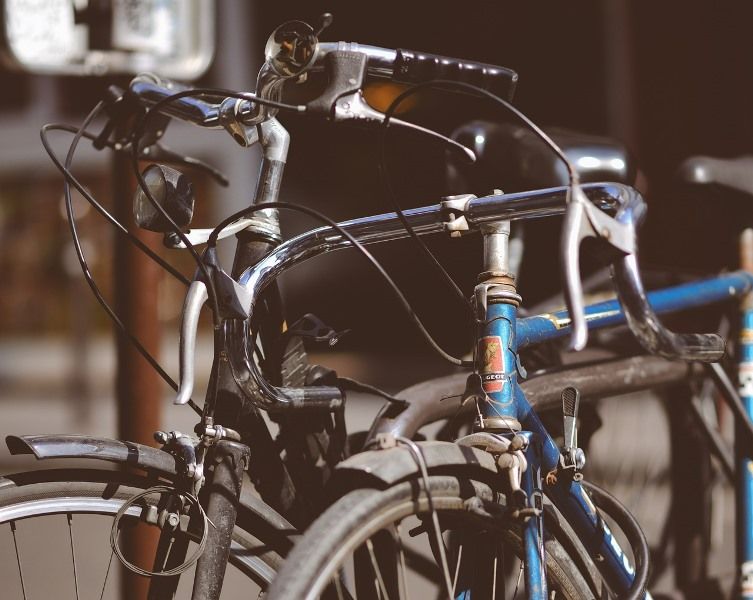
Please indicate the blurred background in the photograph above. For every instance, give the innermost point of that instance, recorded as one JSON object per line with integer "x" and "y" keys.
{"x": 667, "y": 79}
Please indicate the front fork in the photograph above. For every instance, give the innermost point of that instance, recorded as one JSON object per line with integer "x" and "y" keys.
{"x": 223, "y": 490}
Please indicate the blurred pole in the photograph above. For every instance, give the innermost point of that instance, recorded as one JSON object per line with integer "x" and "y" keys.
{"x": 619, "y": 79}
{"x": 138, "y": 387}
{"x": 236, "y": 63}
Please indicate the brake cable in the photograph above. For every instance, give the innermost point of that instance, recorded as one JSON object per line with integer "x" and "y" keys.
{"x": 68, "y": 177}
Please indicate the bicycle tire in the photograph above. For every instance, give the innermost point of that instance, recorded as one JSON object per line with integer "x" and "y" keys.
{"x": 353, "y": 519}
{"x": 91, "y": 497}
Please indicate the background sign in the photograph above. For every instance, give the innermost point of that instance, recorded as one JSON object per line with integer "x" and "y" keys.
{"x": 173, "y": 38}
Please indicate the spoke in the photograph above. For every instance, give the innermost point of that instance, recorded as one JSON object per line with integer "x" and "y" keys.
{"x": 381, "y": 588}
{"x": 517, "y": 585}
{"x": 73, "y": 552}
{"x": 494, "y": 577}
{"x": 107, "y": 575}
{"x": 18, "y": 558}
{"x": 457, "y": 569}
{"x": 402, "y": 562}
{"x": 338, "y": 587}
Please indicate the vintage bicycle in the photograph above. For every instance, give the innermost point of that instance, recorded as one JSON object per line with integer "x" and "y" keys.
{"x": 489, "y": 485}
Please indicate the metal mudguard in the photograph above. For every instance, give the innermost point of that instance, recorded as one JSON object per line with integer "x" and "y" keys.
{"x": 136, "y": 455}
{"x": 383, "y": 468}
{"x": 83, "y": 446}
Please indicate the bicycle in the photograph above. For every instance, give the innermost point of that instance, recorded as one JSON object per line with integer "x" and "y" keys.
{"x": 189, "y": 490}
{"x": 240, "y": 377}
{"x": 356, "y": 548}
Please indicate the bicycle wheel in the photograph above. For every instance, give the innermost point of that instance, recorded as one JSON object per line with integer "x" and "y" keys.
{"x": 378, "y": 544}
{"x": 55, "y": 538}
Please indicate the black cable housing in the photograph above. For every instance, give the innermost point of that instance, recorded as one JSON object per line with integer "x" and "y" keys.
{"x": 633, "y": 532}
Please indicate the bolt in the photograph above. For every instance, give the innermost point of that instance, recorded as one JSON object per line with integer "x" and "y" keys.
{"x": 172, "y": 520}
{"x": 161, "y": 437}
{"x": 606, "y": 233}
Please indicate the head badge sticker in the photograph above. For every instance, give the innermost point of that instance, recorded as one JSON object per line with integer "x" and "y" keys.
{"x": 492, "y": 367}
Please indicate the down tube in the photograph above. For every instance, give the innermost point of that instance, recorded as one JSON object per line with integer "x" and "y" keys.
{"x": 579, "y": 511}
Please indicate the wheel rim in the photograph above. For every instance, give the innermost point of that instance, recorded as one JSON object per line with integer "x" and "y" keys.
{"x": 37, "y": 561}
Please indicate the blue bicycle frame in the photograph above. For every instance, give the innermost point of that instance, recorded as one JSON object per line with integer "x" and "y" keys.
{"x": 502, "y": 336}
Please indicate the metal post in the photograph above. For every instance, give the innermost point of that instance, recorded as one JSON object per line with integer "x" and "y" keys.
{"x": 138, "y": 387}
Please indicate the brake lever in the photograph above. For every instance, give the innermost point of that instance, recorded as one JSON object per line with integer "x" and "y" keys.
{"x": 353, "y": 107}
{"x": 195, "y": 299}
{"x": 160, "y": 153}
{"x": 583, "y": 220}
{"x": 342, "y": 100}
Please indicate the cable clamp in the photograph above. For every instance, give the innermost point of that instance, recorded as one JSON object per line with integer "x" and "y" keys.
{"x": 453, "y": 209}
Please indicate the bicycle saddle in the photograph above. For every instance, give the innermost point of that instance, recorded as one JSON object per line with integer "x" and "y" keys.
{"x": 512, "y": 156}
{"x": 734, "y": 173}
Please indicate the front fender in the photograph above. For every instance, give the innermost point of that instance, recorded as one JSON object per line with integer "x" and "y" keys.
{"x": 82, "y": 446}
{"x": 153, "y": 460}
{"x": 384, "y": 468}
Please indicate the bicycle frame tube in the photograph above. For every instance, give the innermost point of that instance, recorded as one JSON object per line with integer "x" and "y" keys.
{"x": 541, "y": 328}
{"x": 745, "y": 464}
{"x": 506, "y": 410}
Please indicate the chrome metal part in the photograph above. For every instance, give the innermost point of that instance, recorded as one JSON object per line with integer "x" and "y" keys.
{"x": 509, "y": 453}
{"x": 150, "y": 89}
{"x": 200, "y": 236}
{"x": 583, "y": 220}
{"x": 496, "y": 251}
{"x": 454, "y": 207}
{"x": 573, "y": 459}
{"x": 274, "y": 140}
{"x": 503, "y": 424}
{"x": 195, "y": 298}
{"x": 488, "y": 442}
{"x": 291, "y": 49}
{"x": 425, "y": 220}
{"x": 570, "y": 404}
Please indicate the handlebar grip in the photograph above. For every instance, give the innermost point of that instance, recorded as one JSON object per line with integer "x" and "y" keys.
{"x": 645, "y": 325}
{"x": 418, "y": 67}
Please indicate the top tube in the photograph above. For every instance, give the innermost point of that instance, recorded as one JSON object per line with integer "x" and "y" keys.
{"x": 541, "y": 328}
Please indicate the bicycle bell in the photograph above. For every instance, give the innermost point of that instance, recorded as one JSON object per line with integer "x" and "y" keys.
{"x": 291, "y": 49}
{"x": 172, "y": 190}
